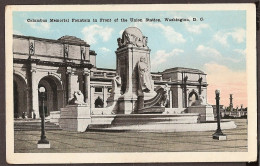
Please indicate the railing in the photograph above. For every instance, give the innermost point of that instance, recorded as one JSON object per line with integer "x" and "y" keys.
{"x": 103, "y": 74}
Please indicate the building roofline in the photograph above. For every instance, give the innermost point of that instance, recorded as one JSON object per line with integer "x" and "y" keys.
{"x": 184, "y": 70}
{"x": 52, "y": 40}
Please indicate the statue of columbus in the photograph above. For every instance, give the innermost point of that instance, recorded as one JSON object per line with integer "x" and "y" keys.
{"x": 145, "y": 78}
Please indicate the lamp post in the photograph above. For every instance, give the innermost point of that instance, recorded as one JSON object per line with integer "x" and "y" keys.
{"x": 43, "y": 142}
{"x": 218, "y": 134}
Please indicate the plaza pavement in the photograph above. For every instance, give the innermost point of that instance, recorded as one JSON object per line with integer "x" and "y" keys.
{"x": 74, "y": 142}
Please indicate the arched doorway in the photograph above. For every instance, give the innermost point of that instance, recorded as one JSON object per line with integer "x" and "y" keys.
{"x": 193, "y": 96}
{"x": 20, "y": 96}
{"x": 99, "y": 103}
{"x": 53, "y": 97}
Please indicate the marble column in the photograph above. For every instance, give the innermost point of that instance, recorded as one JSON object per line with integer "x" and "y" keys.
{"x": 68, "y": 77}
{"x": 28, "y": 103}
{"x": 86, "y": 75}
{"x": 92, "y": 99}
{"x": 34, "y": 92}
{"x": 105, "y": 96}
{"x": 170, "y": 98}
{"x": 60, "y": 99}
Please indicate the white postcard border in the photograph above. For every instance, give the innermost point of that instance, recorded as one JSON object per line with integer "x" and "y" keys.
{"x": 251, "y": 155}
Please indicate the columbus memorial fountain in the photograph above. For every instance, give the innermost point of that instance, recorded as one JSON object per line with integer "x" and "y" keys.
{"x": 135, "y": 104}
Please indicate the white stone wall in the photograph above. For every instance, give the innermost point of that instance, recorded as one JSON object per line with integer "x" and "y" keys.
{"x": 21, "y": 45}
{"x": 93, "y": 60}
{"x": 48, "y": 49}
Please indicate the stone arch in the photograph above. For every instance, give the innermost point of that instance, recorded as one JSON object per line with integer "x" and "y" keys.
{"x": 21, "y": 75}
{"x": 55, "y": 77}
{"x": 193, "y": 95}
{"x": 20, "y": 95}
{"x": 99, "y": 103}
{"x": 54, "y": 97}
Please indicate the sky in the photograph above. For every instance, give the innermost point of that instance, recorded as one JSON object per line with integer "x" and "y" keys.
{"x": 215, "y": 43}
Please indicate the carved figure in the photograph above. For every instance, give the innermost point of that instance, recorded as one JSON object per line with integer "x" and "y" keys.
{"x": 66, "y": 50}
{"x": 78, "y": 98}
{"x": 116, "y": 85}
{"x": 31, "y": 49}
{"x": 134, "y": 36}
{"x": 145, "y": 79}
{"x": 119, "y": 42}
{"x": 145, "y": 41}
{"x": 203, "y": 100}
{"x": 82, "y": 51}
{"x": 200, "y": 101}
{"x": 164, "y": 100}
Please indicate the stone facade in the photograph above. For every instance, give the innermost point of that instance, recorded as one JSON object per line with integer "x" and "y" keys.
{"x": 66, "y": 65}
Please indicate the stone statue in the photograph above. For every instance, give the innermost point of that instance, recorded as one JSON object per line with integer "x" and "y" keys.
{"x": 116, "y": 85}
{"x": 78, "y": 98}
{"x": 164, "y": 99}
{"x": 203, "y": 100}
{"x": 200, "y": 101}
{"x": 145, "y": 41}
{"x": 83, "y": 51}
{"x": 66, "y": 50}
{"x": 132, "y": 36}
{"x": 119, "y": 42}
{"x": 145, "y": 78}
{"x": 31, "y": 49}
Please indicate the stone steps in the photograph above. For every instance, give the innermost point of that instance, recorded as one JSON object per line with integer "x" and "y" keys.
{"x": 33, "y": 125}
{"x": 101, "y": 122}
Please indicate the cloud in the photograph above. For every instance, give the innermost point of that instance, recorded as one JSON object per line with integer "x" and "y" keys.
{"x": 228, "y": 82}
{"x": 237, "y": 34}
{"x": 196, "y": 29}
{"x": 161, "y": 56}
{"x": 240, "y": 51}
{"x": 213, "y": 53}
{"x": 92, "y": 32}
{"x": 170, "y": 34}
{"x": 104, "y": 49}
{"x": 40, "y": 26}
{"x": 208, "y": 51}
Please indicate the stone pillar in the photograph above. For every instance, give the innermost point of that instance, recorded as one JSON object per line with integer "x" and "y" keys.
{"x": 34, "y": 92}
{"x": 86, "y": 75}
{"x": 105, "y": 96}
{"x": 131, "y": 48}
{"x": 185, "y": 98}
{"x": 127, "y": 60}
{"x": 92, "y": 98}
{"x": 60, "y": 99}
{"x": 170, "y": 98}
{"x": 28, "y": 103}
{"x": 68, "y": 83}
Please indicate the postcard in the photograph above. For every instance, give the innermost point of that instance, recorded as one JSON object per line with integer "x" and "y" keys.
{"x": 131, "y": 83}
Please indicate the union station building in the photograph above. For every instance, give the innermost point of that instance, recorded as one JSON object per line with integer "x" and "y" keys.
{"x": 68, "y": 64}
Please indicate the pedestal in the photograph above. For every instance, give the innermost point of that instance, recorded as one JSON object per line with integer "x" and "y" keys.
{"x": 219, "y": 137}
{"x": 75, "y": 118}
{"x": 43, "y": 145}
{"x": 127, "y": 105}
{"x": 205, "y": 111}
